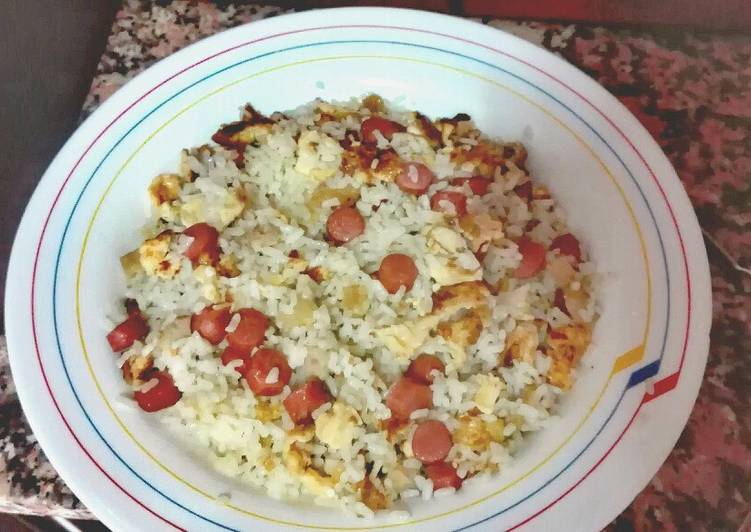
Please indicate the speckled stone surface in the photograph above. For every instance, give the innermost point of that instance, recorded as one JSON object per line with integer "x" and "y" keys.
{"x": 693, "y": 93}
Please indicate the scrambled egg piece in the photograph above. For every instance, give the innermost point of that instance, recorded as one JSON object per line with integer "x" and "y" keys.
{"x": 565, "y": 347}
{"x": 523, "y": 341}
{"x": 298, "y": 462}
{"x": 336, "y": 426}
{"x": 266, "y": 411}
{"x": 445, "y": 267}
{"x": 131, "y": 263}
{"x": 336, "y": 111}
{"x": 164, "y": 188}
{"x": 452, "y": 128}
{"x": 487, "y": 155}
{"x": 301, "y": 315}
{"x": 467, "y": 295}
{"x": 450, "y": 271}
{"x": 192, "y": 212}
{"x": 357, "y": 161}
{"x": 444, "y": 240}
{"x": 252, "y": 128}
{"x": 355, "y": 301}
{"x": 402, "y": 339}
{"x": 480, "y": 229}
{"x": 540, "y": 192}
{"x": 292, "y": 270}
{"x": 476, "y": 433}
{"x": 346, "y": 195}
{"x": 134, "y": 367}
{"x": 371, "y": 496}
{"x": 206, "y": 275}
{"x": 420, "y": 124}
{"x": 373, "y": 103}
{"x": 152, "y": 255}
{"x": 234, "y": 205}
{"x": 227, "y": 266}
{"x": 576, "y": 301}
{"x": 487, "y": 394}
{"x": 318, "y": 155}
{"x": 461, "y": 333}
{"x": 561, "y": 270}
{"x": 251, "y": 133}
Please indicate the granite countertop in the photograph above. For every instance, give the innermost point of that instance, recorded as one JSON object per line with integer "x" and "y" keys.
{"x": 691, "y": 90}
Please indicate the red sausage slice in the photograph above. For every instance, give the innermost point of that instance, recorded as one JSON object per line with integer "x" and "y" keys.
{"x": 210, "y": 323}
{"x": 205, "y": 246}
{"x": 385, "y": 126}
{"x": 431, "y": 442}
{"x": 478, "y": 184}
{"x": 397, "y": 270}
{"x": 533, "y": 258}
{"x": 567, "y": 244}
{"x": 301, "y": 403}
{"x": 415, "y": 178}
{"x": 457, "y": 199}
{"x": 345, "y": 224}
{"x": 443, "y": 475}
{"x": 159, "y": 396}
{"x": 250, "y": 331}
{"x": 421, "y": 368}
{"x": 406, "y": 396}
{"x": 230, "y": 354}
{"x": 259, "y": 367}
{"x": 132, "y": 329}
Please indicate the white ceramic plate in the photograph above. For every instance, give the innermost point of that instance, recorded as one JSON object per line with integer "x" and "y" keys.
{"x": 636, "y": 385}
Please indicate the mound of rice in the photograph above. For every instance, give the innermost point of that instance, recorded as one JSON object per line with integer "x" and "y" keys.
{"x": 268, "y": 184}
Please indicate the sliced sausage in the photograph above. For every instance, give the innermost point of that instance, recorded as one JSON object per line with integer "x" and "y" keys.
{"x": 397, "y": 270}
{"x": 210, "y": 323}
{"x": 230, "y": 354}
{"x": 567, "y": 244}
{"x": 204, "y": 249}
{"x": 250, "y": 331}
{"x": 456, "y": 199}
{"x": 345, "y": 224}
{"x": 421, "y": 368}
{"x": 533, "y": 258}
{"x": 443, "y": 475}
{"x": 431, "y": 442}
{"x": 132, "y": 329}
{"x": 386, "y": 127}
{"x": 301, "y": 403}
{"x": 259, "y": 367}
{"x": 406, "y": 396}
{"x": 478, "y": 184}
{"x": 414, "y": 178}
{"x": 159, "y": 395}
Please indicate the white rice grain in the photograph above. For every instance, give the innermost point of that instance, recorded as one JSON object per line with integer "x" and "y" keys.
{"x": 272, "y": 377}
